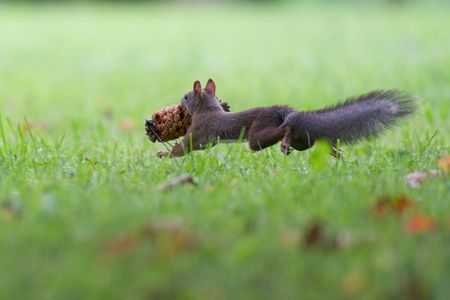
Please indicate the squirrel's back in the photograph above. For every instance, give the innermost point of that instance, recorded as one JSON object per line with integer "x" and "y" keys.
{"x": 357, "y": 118}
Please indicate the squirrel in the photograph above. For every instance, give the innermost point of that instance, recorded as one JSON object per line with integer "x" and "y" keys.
{"x": 356, "y": 119}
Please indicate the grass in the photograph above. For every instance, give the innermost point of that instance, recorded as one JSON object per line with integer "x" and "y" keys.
{"x": 81, "y": 215}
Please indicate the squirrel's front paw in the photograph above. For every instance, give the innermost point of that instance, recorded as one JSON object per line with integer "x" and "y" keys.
{"x": 285, "y": 148}
{"x": 161, "y": 154}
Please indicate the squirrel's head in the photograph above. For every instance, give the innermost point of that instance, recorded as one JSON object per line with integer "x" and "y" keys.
{"x": 201, "y": 99}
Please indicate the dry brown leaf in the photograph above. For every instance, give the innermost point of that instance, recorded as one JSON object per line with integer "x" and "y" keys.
{"x": 397, "y": 205}
{"x": 314, "y": 234}
{"x": 107, "y": 113}
{"x": 414, "y": 288}
{"x": 168, "y": 236}
{"x": 401, "y": 204}
{"x": 10, "y": 211}
{"x": 121, "y": 245}
{"x": 315, "y": 237}
{"x": 171, "y": 235}
{"x": 187, "y": 179}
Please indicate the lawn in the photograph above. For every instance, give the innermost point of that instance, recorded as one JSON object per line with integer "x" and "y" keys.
{"x": 82, "y": 215}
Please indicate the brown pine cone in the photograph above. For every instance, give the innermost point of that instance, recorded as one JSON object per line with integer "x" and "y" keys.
{"x": 168, "y": 124}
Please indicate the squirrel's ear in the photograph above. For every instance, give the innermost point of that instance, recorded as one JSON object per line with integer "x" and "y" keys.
{"x": 211, "y": 87}
{"x": 197, "y": 87}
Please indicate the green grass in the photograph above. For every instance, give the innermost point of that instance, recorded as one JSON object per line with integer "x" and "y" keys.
{"x": 75, "y": 73}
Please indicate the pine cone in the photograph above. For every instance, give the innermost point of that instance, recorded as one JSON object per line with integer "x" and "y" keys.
{"x": 168, "y": 124}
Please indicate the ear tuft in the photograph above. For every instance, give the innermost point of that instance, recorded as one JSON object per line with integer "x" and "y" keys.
{"x": 211, "y": 87}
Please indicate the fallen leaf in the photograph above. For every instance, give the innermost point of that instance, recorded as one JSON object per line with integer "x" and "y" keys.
{"x": 121, "y": 245}
{"x": 10, "y": 210}
{"x": 414, "y": 288}
{"x": 290, "y": 237}
{"x": 45, "y": 126}
{"x": 420, "y": 224}
{"x": 397, "y": 205}
{"x": 27, "y": 127}
{"x": 401, "y": 204}
{"x": 107, "y": 113}
{"x": 315, "y": 237}
{"x": 381, "y": 207}
{"x": 172, "y": 234}
{"x": 209, "y": 189}
{"x": 169, "y": 237}
{"x": 314, "y": 234}
{"x": 444, "y": 164}
{"x": 127, "y": 125}
{"x": 187, "y": 179}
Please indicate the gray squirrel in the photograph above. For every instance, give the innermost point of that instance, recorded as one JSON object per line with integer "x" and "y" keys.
{"x": 356, "y": 119}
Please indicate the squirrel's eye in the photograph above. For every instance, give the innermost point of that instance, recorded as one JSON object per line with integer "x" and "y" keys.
{"x": 185, "y": 97}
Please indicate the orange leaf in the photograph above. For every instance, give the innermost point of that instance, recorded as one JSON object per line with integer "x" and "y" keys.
{"x": 27, "y": 127}
{"x": 444, "y": 164}
{"x": 419, "y": 224}
{"x": 127, "y": 125}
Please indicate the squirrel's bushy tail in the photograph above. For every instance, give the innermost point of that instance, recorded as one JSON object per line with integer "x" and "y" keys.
{"x": 355, "y": 119}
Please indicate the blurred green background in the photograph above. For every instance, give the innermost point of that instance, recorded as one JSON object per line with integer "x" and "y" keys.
{"x": 81, "y": 215}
